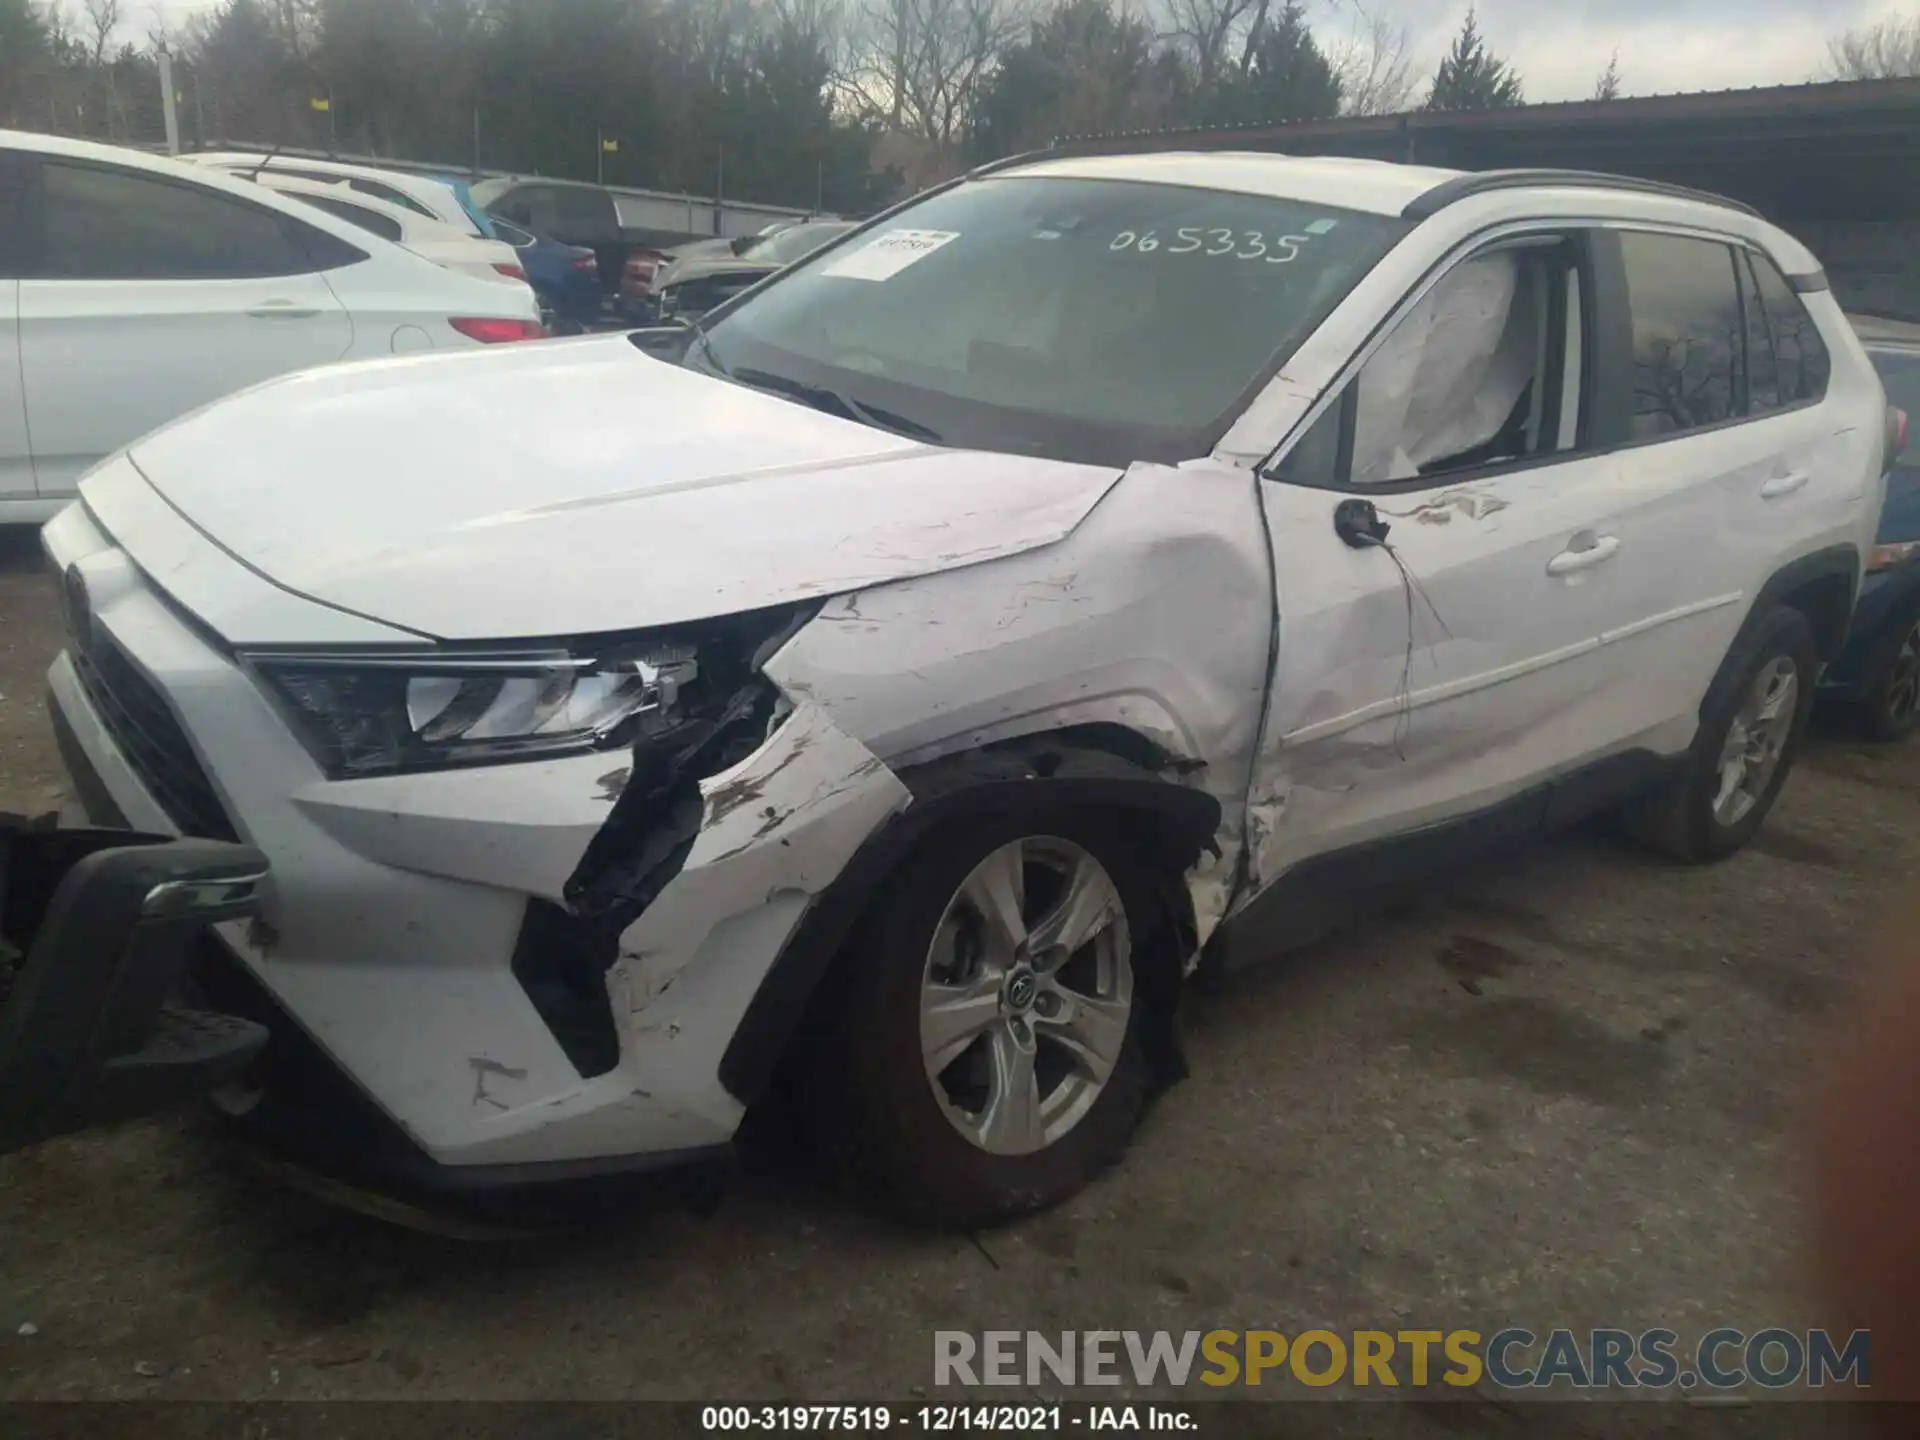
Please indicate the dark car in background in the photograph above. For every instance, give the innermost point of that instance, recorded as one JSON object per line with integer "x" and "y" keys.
{"x": 693, "y": 284}
{"x": 565, "y": 278}
{"x": 1876, "y": 681}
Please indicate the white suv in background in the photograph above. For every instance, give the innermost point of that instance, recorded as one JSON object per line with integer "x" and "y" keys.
{"x": 1093, "y": 568}
{"x": 134, "y": 289}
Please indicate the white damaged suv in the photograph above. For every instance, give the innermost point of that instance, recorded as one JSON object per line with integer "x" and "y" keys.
{"x": 1090, "y": 569}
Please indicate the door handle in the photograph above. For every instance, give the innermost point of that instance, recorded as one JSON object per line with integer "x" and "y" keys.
{"x": 281, "y": 310}
{"x": 1784, "y": 484}
{"x": 1574, "y": 559}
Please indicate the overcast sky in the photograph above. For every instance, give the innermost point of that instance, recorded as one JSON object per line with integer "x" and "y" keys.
{"x": 1561, "y": 46}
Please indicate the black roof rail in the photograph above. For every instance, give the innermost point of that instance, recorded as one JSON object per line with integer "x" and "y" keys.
{"x": 1484, "y": 182}
{"x": 1007, "y": 162}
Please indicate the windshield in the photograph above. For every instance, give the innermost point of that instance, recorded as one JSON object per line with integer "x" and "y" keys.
{"x": 1098, "y": 320}
{"x": 797, "y": 243}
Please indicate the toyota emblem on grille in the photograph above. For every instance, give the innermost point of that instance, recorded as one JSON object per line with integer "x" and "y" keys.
{"x": 79, "y": 606}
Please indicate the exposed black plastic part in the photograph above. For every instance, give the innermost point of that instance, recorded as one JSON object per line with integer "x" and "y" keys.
{"x": 1037, "y": 775}
{"x": 1358, "y": 524}
{"x": 561, "y": 962}
{"x": 102, "y": 921}
{"x": 1463, "y": 187}
{"x": 1322, "y": 894}
{"x": 1811, "y": 283}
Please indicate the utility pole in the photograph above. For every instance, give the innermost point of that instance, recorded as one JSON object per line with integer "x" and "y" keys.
{"x": 169, "y": 102}
{"x": 819, "y": 185}
{"x": 476, "y": 141}
{"x": 720, "y": 193}
{"x": 599, "y": 157}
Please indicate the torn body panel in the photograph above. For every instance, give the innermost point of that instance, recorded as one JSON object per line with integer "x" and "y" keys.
{"x": 1154, "y": 617}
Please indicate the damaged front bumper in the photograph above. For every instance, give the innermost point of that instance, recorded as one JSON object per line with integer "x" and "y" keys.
{"x": 95, "y": 930}
{"x": 435, "y": 998}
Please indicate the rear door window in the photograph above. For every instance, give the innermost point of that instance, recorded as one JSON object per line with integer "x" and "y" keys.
{"x": 1688, "y": 333}
{"x": 102, "y": 223}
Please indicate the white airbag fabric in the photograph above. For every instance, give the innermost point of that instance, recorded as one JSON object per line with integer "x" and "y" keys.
{"x": 1446, "y": 380}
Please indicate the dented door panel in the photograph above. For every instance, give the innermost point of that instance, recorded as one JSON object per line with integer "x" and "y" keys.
{"x": 1440, "y": 678}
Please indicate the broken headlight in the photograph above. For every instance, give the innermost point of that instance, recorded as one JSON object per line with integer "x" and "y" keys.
{"x": 381, "y": 714}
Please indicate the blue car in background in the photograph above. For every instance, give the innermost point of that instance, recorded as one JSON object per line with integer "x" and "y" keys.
{"x": 565, "y": 278}
{"x": 1876, "y": 680}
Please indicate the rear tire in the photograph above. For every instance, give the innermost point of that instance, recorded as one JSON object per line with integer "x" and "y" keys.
{"x": 1890, "y": 711}
{"x": 1750, "y": 731}
{"x": 982, "y": 1077}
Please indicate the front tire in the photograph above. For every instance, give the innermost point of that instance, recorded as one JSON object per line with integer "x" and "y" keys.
{"x": 993, "y": 1010}
{"x": 1750, "y": 732}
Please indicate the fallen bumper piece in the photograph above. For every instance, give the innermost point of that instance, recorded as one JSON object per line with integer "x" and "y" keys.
{"x": 96, "y": 927}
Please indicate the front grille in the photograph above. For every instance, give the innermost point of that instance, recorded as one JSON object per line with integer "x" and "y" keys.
{"x": 155, "y": 746}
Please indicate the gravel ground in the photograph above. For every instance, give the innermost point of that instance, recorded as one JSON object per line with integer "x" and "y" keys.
{"x": 1558, "y": 1091}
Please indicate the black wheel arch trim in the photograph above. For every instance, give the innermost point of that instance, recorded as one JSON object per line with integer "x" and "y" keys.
{"x": 1037, "y": 774}
{"x": 1836, "y": 562}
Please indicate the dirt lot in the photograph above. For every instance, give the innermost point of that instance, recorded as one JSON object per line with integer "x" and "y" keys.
{"x": 1558, "y": 1093}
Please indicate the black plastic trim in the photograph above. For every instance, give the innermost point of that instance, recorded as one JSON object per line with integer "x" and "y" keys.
{"x": 1031, "y": 776}
{"x": 1324, "y": 892}
{"x": 1465, "y": 187}
{"x": 1835, "y": 562}
{"x": 85, "y": 1034}
{"x": 1810, "y": 284}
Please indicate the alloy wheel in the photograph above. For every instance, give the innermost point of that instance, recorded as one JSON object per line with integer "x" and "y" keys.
{"x": 1903, "y": 681}
{"x": 1756, "y": 740}
{"x": 1027, "y": 995}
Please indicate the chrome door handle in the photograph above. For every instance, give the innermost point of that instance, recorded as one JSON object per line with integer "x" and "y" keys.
{"x": 1784, "y": 484}
{"x": 281, "y": 310}
{"x": 1572, "y": 561}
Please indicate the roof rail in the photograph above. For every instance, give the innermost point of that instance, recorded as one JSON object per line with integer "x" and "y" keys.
{"x": 1007, "y": 162}
{"x": 1486, "y": 181}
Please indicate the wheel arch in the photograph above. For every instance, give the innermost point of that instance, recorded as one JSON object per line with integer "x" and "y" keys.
{"x": 1823, "y": 587}
{"x": 1093, "y": 767}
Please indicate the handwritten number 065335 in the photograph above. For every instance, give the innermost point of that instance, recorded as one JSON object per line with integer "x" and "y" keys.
{"x": 1217, "y": 244}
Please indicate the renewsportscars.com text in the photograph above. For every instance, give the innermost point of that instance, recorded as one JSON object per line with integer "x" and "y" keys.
{"x": 1512, "y": 1358}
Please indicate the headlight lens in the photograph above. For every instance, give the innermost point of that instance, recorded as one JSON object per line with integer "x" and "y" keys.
{"x": 381, "y": 714}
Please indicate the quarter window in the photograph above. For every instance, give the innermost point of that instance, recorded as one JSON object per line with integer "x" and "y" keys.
{"x": 1800, "y": 354}
{"x": 105, "y": 224}
{"x": 385, "y": 226}
{"x": 1687, "y": 333}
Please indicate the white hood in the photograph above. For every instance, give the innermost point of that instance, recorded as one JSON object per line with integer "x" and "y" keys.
{"x": 573, "y": 487}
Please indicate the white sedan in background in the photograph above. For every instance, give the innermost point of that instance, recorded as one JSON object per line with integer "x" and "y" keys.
{"x": 421, "y": 194}
{"x": 461, "y": 251}
{"x": 134, "y": 288}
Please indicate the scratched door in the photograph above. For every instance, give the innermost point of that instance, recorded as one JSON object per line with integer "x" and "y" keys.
{"x": 1427, "y": 683}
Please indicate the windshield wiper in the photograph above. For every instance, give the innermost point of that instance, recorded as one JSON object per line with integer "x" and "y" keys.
{"x": 819, "y": 397}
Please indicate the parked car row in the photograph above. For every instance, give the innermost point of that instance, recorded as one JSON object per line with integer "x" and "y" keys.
{"x": 135, "y": 288}
{"x": 1089, "y": 571}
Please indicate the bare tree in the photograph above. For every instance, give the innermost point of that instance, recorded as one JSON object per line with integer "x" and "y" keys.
{"x": 1607, "y": 87}
{"x": 1889, "y": 50}
{"x": 920, "y": 63}
{"x": 103, "y": 18}
{"x": 1374, "y": 63}
{"x": 1212, "y": 30}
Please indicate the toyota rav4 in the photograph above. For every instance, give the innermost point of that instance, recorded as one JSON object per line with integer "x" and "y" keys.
{"x": 1093, "y": 569}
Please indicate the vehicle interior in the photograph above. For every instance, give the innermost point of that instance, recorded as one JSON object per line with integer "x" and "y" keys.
{"x": 1484, "y": 369}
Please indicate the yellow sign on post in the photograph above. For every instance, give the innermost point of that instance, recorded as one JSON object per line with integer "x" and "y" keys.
{"x": 322, "y": 104}
{"x": 610, "y": 147}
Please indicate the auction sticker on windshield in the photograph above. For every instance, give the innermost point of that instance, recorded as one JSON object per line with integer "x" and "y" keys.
{"x": 889, "y": 254}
